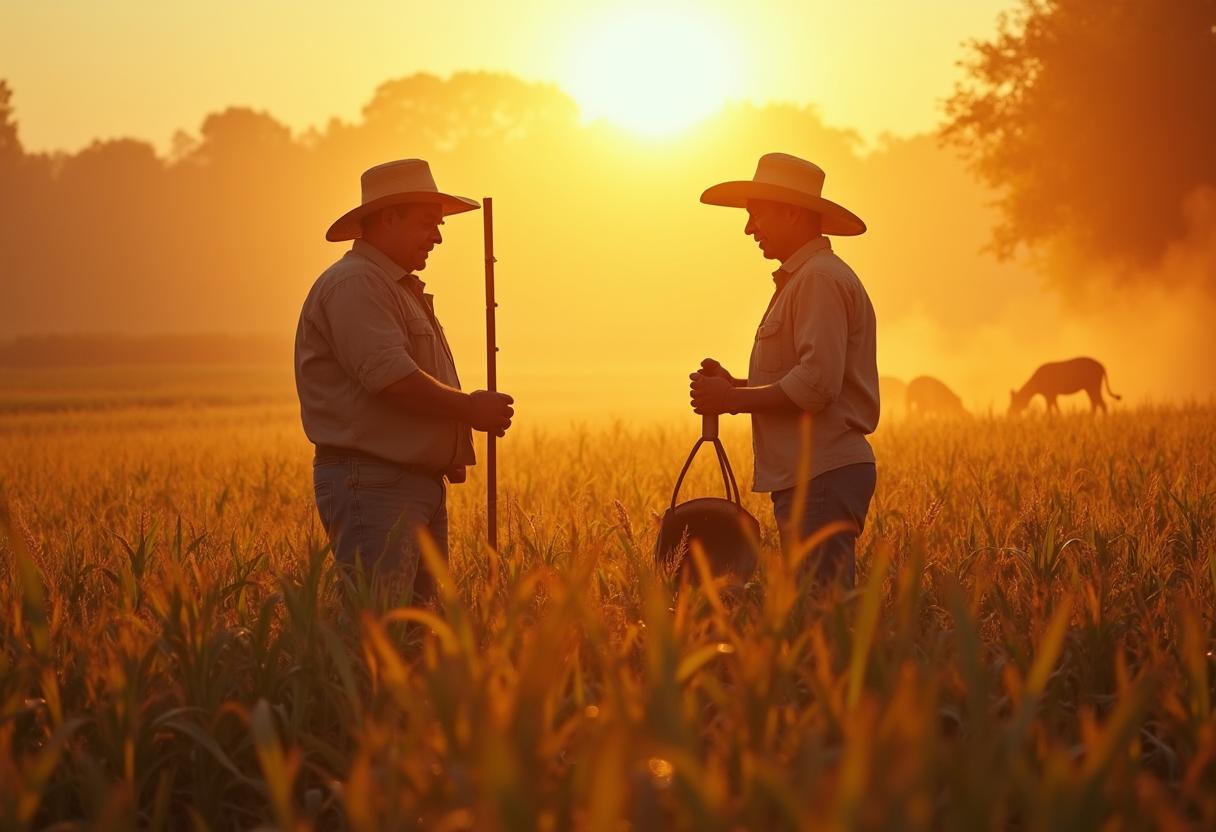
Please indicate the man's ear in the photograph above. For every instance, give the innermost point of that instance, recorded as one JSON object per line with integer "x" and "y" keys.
{"x": 393, "y": 214}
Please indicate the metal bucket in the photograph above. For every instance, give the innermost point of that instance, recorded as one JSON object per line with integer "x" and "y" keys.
{"x": 728, "y": 534}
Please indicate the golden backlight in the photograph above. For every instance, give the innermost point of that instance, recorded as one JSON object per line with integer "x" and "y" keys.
{"x": 652, "y": 72}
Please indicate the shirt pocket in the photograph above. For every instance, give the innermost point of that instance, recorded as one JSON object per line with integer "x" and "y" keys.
{"x": 422, "y": 343}
{"x": 768, "y": 346}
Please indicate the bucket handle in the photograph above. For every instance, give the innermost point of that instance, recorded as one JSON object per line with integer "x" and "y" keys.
{"x": 709, "y": 433}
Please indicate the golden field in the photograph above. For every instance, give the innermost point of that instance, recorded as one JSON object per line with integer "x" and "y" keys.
{"x": 1030, "y": 645}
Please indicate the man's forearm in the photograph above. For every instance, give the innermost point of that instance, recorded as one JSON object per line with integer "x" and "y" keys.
{"x": 420, "y": 392}
{"x": 760, "y": 399}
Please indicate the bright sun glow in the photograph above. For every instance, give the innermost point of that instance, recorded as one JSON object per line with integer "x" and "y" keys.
{"x": 652, "y": 72}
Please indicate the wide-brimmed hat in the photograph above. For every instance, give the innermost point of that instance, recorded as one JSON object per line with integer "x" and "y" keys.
{"x": 781, "y": 177}
{"x": 392, "y": 183}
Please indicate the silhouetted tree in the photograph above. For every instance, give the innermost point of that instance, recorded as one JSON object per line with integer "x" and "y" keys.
{"x": 114, "y": 166}
{"x": 24, "y": 202}
{"x": 238, "y": 135}
{"x": 10, "y": 145}
{"x": 442, "y": 114}
{"x": 1094, "y": 119}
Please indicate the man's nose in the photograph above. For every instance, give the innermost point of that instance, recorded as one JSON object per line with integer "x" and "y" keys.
{"x": 436, "y": 237}
{"x": 750, "y": 228}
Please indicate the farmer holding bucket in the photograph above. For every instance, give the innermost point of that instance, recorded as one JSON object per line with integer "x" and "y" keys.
{"x": 814, "y": 357}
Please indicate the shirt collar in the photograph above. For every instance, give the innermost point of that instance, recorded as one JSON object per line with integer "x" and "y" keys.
{"x": 414, "y": 284}
{"x": 791, "y": 264}
{"x": 379, "y": 259}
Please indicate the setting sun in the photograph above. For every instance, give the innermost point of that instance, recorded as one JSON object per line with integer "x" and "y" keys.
{"x": 652, "y": 72}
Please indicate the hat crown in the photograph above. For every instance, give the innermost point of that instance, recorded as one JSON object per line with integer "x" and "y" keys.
{"x": 397, "y": 177}
{"x": 790, "y": 172}
{"x": 787, "y": 179}
{"x": 391, "y": 183}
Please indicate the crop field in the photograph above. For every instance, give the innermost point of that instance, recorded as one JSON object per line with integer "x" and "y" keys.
{"x": 1030, "y": 644}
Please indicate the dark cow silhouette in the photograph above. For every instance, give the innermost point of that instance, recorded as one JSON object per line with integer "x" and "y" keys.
{"x": 928, "y": 395}
{"x": 892, "y": 394}
{"x": 1059, "y": 378}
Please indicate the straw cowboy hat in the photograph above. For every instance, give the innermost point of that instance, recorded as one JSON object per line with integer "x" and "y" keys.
{"x": 781, "y": 177}
{"x": 392, "y": 183}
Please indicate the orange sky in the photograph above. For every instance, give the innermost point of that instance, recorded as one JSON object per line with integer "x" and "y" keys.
{"x": 83, "y": 69}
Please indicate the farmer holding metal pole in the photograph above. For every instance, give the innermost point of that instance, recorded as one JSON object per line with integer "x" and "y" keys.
{"x": 813, "y": 357}
{"x": 379, "y": 394}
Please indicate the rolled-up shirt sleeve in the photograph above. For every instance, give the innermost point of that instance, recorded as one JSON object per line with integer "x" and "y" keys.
{"x": 821, "y": 308}
{"x": 367, "y": 338}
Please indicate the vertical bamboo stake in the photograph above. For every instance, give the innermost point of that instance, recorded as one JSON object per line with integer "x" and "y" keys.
{"x": 491, "y": 376}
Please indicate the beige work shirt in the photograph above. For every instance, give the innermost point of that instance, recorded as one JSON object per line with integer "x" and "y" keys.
{"x": 816, "y": 341}
{"x": 366, "y": 324}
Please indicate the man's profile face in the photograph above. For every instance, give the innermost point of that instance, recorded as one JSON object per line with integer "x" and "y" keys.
{"x": 769, "y": 223}
{"x": 414, "y": 231}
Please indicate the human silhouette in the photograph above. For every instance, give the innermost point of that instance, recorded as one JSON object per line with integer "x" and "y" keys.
{"x": 813, "y": 357}
{"x": 379, "y": 394}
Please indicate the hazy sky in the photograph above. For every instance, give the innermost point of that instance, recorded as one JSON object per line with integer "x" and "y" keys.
{"x": 90, "y": 68}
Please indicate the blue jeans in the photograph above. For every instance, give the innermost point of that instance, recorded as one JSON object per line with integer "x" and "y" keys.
{"x": 376, "y": 510}
{"x": 841, "y": 494}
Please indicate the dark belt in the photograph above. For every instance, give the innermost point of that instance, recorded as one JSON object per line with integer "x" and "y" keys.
{"x": 333, "y": 453}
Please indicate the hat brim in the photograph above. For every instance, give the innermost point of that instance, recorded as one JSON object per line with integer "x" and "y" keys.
{"x": 837, "y": 220}
{"x": 347, "y": 227}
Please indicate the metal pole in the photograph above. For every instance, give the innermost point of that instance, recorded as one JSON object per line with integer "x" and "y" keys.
{"x": 491, "y": 376}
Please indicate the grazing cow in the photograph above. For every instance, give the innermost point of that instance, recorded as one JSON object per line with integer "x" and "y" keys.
{"x": 1059, "y": 378}
{"x": 891, "y": 393}
{"x": 928, "y": 395}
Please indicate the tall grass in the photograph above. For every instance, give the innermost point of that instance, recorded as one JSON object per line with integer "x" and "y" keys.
{"x": 1029, "y": 645}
